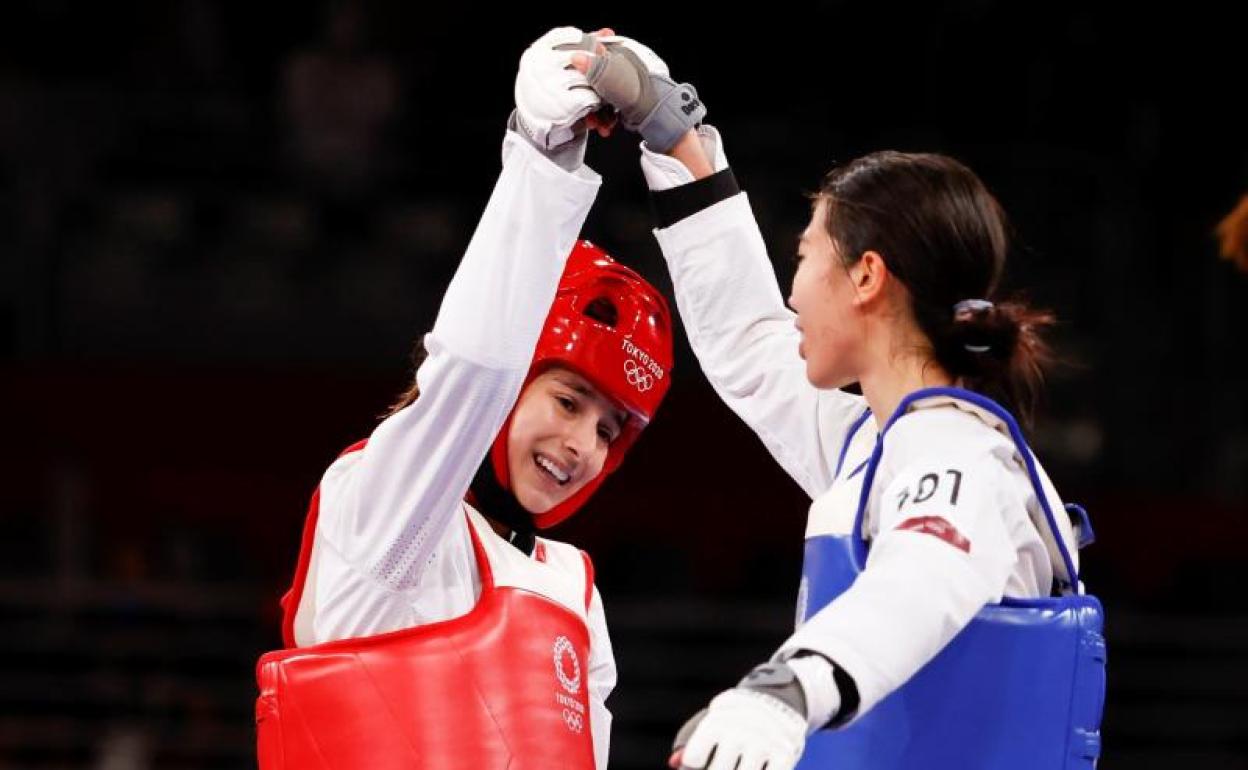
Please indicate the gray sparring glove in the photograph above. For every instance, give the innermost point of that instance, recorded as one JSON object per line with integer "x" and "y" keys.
{"x": 764, "y": 720}
{"x": 635, "y": 81}
{"x": 760, "y": 722}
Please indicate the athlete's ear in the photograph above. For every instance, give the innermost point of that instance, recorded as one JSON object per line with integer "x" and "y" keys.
{"x": 871, "y": 279}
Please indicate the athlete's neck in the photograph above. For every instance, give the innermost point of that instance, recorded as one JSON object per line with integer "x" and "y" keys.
{"x": 504, "y": 531}
{"x": 525, "y": 542}
{"x": 500, "y": 507}
{"x": 898, "y": 376}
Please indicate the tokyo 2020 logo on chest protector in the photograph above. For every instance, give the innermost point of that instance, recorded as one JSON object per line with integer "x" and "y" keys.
{"x": 567, "y": 667}
{"x": 568, "y": 672}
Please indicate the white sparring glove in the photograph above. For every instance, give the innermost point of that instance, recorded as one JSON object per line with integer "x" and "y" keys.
{"x": 635, "y": 81}
{"x": 763, "y": 721}
{"x": 552, "y": 97}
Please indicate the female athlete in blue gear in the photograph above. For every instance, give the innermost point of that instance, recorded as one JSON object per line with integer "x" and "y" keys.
{"x": 941, "y": 620}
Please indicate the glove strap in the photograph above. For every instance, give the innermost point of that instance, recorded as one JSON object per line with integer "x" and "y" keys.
{"x": 778, "y": 681}
{"x": 569, "y": 155}
{"x": 650, "y": 104}
{"x": 676, "y": 113}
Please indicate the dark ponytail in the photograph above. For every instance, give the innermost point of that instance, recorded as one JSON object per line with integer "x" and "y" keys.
{"x": 944, "y": 236}
{"x": 997, "y": 351}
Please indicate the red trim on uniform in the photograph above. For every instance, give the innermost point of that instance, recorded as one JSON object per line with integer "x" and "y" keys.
{"x": 937, "y": 527}
{"x": 539, "y": 552}
{"x": 589, "y": 580}
{"x": 347, "y": 643}
{"x": 290, "y": 600}
{"x": 483, "y": 562}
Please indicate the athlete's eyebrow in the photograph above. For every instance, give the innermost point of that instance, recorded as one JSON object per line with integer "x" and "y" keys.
{"x": 583, "y": 388}
{"x": 573, "y": 383}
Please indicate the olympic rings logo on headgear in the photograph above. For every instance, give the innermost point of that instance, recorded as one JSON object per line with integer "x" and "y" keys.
{"x": 573, "y": 720}
{"x": 570, "y": 683}
{"x": 637, "y": 376}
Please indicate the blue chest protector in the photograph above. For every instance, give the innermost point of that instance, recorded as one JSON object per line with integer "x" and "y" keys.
{"x": 1021, "y": 687}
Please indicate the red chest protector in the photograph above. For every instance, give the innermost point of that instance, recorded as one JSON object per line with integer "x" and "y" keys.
{"x": 504, "y": 686}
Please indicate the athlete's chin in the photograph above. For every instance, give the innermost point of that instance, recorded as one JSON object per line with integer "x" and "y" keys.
{"x": 531, "y": 504}
{"x": 536, "y": 501}
{"x": 825, "y": 374}
{"x": 818, "y": 376}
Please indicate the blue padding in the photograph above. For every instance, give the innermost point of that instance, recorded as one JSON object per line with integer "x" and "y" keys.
{"x": 1080, "y": 516}
{"x": 1021, "y": 687}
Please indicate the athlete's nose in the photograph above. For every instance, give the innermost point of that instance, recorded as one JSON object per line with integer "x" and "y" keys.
{"x": 581, "y": 435}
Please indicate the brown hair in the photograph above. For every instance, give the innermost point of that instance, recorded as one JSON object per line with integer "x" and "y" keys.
{"x": 1232, "y": 234}
{"x": 412, "y": 392}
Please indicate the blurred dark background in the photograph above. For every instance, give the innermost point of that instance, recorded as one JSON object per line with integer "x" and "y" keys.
{"x": 223, "y": 225}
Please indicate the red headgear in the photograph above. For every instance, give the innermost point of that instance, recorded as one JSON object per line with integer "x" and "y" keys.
{"x": 609, "y": 325}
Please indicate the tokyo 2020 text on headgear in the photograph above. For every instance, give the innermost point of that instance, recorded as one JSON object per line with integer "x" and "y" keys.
{"x": 609, "y": 325}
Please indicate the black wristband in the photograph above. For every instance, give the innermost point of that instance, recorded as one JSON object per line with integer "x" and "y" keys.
{"x": 677, "y": 203}
{"x": 849, "y": 697}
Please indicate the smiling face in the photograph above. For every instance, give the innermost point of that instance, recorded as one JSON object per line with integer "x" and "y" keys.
{"x": 560, "y": 433}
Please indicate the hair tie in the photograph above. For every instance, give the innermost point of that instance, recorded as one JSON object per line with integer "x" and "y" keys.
{"x": 972, "y": 306}
{"x": 964, "y": 310}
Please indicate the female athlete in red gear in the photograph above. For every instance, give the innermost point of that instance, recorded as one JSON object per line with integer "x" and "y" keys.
{"x": 427, "y": 625}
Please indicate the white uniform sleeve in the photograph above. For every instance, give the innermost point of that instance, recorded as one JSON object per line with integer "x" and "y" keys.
{"x": 943, "y": 550}
{"x": 384, "y": 512}
{"x": 602, "y": 678}
{"x": 743, "y": 335}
